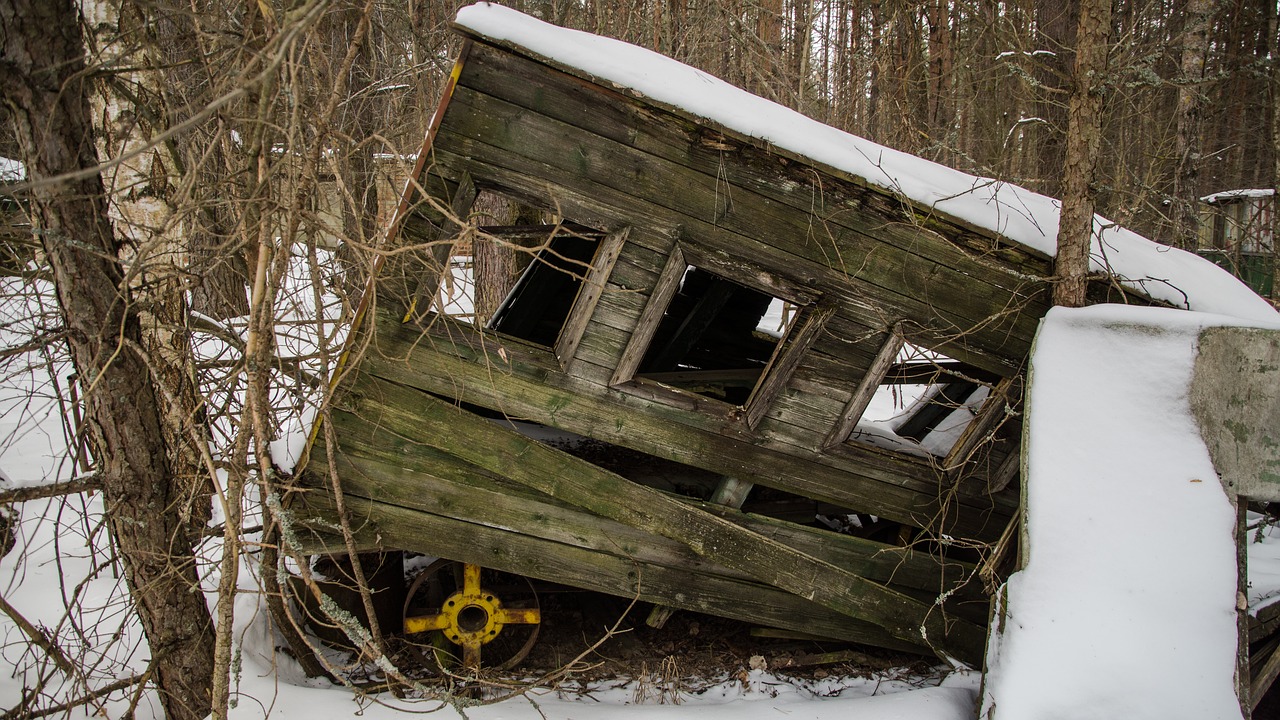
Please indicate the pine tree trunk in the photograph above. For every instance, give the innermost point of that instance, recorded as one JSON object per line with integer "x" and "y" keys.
{"x": 1275, "y": 184}
{"x": 41, "y": 83}
{"x": 1056, "y": 34}
{"x": 1084, "y": 135}
{"x": 1186, "y": 180}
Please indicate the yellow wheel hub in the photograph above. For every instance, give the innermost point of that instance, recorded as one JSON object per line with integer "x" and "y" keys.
{"x": 471, "y": 617}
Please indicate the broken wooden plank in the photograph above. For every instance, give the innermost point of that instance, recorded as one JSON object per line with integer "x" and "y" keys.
{"x": 377, "y": 462}
{"x": 867, "y": 387}
{"x": 893, "y": 487}
{"x": 999, "y": 404}
{"x": 533, "y": 557}
{"x": 515, "y": 457}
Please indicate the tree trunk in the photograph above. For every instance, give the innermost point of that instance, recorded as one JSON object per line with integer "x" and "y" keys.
{"x": 1275, "y": 184}
{"x": 1084, "y": 134}
{"x": 1186, "y": 179}
{"x": 41, "y": 83}
{"x": 1056, "y": 34}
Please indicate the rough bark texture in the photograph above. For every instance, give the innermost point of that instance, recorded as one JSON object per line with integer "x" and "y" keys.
{"x": 1186, "y": 181}
{"x": 41, "y": 74}
{"x": 1056, "y": 38}
{"x": 1275, "y": 183}
{"x": 1084, "y": 133}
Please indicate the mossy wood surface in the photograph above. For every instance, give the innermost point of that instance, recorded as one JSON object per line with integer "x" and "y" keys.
{"x": 386, "y": 409}
{"x": 861, "y": 264}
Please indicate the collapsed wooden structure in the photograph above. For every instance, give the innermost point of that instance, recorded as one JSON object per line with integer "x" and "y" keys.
{"x": 703, "y": 444}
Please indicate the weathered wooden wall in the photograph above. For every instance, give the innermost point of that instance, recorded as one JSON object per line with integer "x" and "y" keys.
{"x": 867, "y": 263}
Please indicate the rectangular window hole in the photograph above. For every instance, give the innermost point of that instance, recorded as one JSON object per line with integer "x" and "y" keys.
{"x": 717, "y": 338}
{"x": 923, "y": 402}
{"x": 552, "y": 261}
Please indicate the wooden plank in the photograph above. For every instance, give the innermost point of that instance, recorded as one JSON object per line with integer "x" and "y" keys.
{"x": 397, "y": 527}
{"x": 798, "y": 441}
{"x": 603, "y": 493}
{"x": 1265, "y": 622}
{"x": 587, "y": 161}
{"x": 641, "y": 122}
{"x": 441, "y": 485}
{"x": 584, "y": 305}
{"x": 867, "y": 388}
{"x": 784, "y": 363}
{"x": 642, "y": 336}
{"x": 866, "y": 480}
{"x": 1004, "y": 396}
{"x": 376, "y": 462}
{"x": 1005, "y": 335}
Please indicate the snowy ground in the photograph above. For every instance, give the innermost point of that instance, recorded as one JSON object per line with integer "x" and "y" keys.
{"x": 61, "y": 543}
{"x": 40, "y": 588}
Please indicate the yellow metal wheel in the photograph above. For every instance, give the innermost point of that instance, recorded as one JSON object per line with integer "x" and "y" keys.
{"x": 469, "y": 608}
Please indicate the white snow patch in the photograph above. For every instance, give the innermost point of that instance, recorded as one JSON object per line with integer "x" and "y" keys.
{"x": 11, "y": 170}
{"x": 1018, "y": 214}
{"x": 1264, "y": 564}
{"x": 1127, "y": 604}
{"x": 1234, "y": 194}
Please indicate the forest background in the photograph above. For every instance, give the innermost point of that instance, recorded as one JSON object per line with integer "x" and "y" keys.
{"x": 183, "y": 159}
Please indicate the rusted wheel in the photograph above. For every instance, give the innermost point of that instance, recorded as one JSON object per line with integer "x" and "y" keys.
{"x": 452, "y": 610}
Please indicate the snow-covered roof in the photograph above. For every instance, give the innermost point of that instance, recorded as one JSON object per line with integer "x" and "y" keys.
{"x": 1016, "y": 214}
{"x": 1238, "y": 194}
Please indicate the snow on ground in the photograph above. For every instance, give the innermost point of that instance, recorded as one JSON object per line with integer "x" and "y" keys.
{"x": 61, "y": 542}
{"x": 269, "y": 684}
{"x": 1126, "y": 606}
{"x": 1022, "y": 216}
{"x": 11, "y": 170}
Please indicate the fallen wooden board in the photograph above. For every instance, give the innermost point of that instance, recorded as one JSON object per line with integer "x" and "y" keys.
{"x": 513, "y": 456}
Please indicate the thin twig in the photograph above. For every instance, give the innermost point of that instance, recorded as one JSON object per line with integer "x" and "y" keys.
{"x": 82, "y": 700}
{"x": 87, "y": 483}
{"x": 37, "y": 637}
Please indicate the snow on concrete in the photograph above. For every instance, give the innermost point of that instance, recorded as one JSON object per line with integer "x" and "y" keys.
{"x": 1127, "y": 603}
{"x": 1019, "y": 215}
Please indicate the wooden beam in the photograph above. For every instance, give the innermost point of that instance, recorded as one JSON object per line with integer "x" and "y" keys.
{"x": 380, "y": 525}
{"x": 867, "y": 387}
{"x": 1004, "y": 396}
{"x": 785, "y": 360}
{"x": 659, "y": 298}
{"x": 458, "y": 361}
{"x": 589, "y": 296}
{"x": 580, "y": 483}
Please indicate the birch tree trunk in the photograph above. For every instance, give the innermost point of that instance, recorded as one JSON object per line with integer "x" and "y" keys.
{"x": 1084, "y": 135}
{"x": 42, "y": 75}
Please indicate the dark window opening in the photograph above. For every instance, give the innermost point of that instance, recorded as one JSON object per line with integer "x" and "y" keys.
{"x": 716, "y": 337}
{"x": 538, "y": 305}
